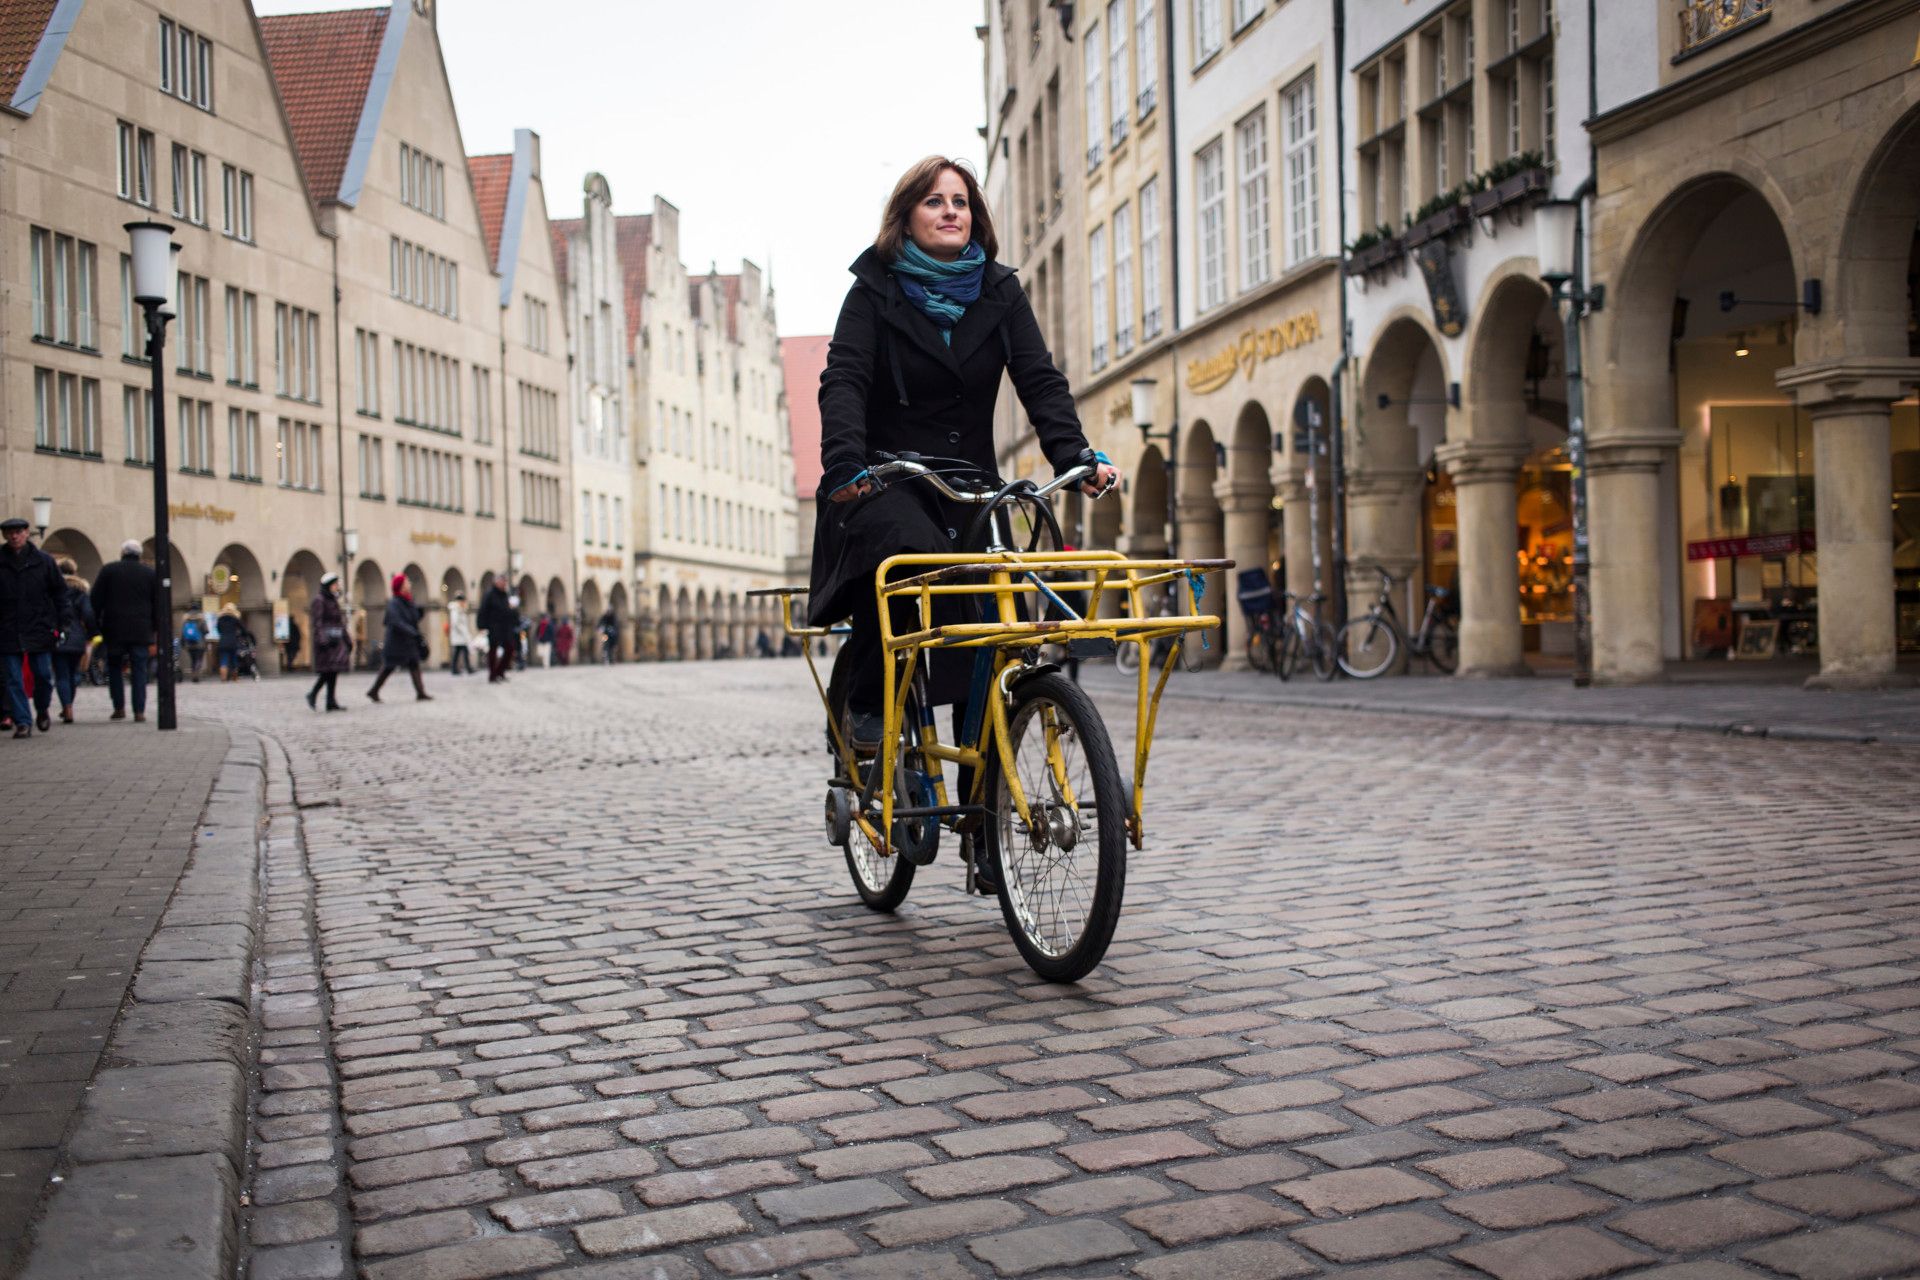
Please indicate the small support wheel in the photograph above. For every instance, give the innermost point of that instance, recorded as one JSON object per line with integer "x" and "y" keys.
{"x": 839, "y": 816}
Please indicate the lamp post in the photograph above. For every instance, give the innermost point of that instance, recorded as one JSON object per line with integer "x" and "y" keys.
{"x": 153, "y": 275}
{"x": 1143, "y": 389}
{"x": 1558, "y": 225}
{"x": 42, "y": 517}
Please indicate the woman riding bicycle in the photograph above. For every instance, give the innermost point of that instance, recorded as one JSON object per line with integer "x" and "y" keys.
{"x": 927, "y": 330}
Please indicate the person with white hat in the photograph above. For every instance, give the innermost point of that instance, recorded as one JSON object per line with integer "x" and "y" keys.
{"x": 332, "y": 645}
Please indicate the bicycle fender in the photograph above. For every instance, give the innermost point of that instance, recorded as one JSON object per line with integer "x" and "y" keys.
{"x": 1037, "y": 669}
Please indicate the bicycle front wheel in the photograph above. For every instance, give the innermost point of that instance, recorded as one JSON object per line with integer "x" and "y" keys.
{"x": 1324, "y": 653}
{"x": 881, "y": 880}
{"x": 1367, "y": 647}
{"x": 1062, "y": 875}
{"x": 1126, "y": 657}
{"x": 1286, "y": 650}
{"x": 1443, "y": 647}
{"x": 1260, "y": 649}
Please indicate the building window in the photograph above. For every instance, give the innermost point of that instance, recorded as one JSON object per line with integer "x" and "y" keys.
{"x": 1118, "y": 95}
{"x": 1303, "y": 170}
{"x": 1547, "y": 111}
{"x": 297, "y": 450}
{"x": 137, "y": 406}
{"x": 1152, "y": 314}
{"x": 133, "y": 341}
{"x": 236, "y": 203}
{"x": 366, "y": 372}
{"x": 196, "y": 436}
{"x": 1123, "y": 280}
{"x": 243, "y": 445}
{"x": 192, "y": 295}
{"x": 62, "y": 270}
{"x": 1211, "y": 185}
{"x": 1245, "y": 11}
{"x": 1096, "y": 103}
{"x": 482, "y": 405}
{"x": 373, "y": 477}
{"x": 186, "y": 65}
{"x": 66, "y": 413}
{"x": 619, "y": 525}
{"x": 1207, "y": 37}
{"x": 1097, "y": 290}
{"x": 296, "y": 353}
{"x": 483, "y": 489}
{"x": 136, "y": 164}
{"x": 1146, "y": 53}
{"x": 423, "y": 182}
{"x": 1256, "y": 257}
{"x": 423, "y": 278}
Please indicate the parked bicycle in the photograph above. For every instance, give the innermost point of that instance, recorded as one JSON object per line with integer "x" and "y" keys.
{"x": 1303, "y": 638}
{"x": 1370, "y": 644}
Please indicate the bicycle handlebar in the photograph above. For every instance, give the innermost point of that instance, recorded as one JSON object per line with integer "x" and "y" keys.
{"x": 906, "y": 469}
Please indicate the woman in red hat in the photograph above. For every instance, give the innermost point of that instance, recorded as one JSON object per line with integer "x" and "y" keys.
{"x": 405, "y": 646}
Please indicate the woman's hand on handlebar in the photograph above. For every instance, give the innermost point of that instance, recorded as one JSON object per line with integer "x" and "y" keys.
{"x": 1104, "y": 478}
{"x": 848, "y": 492}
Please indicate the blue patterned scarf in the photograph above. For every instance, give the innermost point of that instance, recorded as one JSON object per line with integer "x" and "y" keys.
{"x": 942, "y": 290}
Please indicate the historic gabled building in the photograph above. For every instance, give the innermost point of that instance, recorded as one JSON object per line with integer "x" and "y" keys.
{"x": 419, "y": 328}
{"x": 122, "y": 111}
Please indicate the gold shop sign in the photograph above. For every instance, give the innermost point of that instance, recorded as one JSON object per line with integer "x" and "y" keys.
{"x": 437, "y": 539}
{"x": 199, "y": 511}
{"x": 603, "y": 562}
{"x": 1252, "y": 347}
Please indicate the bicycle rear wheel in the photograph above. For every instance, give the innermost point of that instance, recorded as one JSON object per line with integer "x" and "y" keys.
{"x": 1259, "y": 647}
{"x": 1126, "y": 657}
{"x": 1443, "y": 647}
{"x": 1367, "y": 646}
{"x": 1286, "y": 649}
{"x": 1324, "y": 653}
{"x": 1062, "y": 878}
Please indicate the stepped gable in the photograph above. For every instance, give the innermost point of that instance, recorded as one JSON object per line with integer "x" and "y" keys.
{"x": 562, "y": 231}
{"x": 633, "y": 240}
{"x": 323, "y": 63}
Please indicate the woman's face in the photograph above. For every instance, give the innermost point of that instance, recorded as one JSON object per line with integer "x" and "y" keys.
{"x": 942, "y": 223}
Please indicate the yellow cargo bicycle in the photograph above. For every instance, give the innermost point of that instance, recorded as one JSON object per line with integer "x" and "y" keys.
{"x": 1040, "y": 809}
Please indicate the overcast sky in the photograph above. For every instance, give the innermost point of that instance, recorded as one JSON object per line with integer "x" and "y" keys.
{"x": 777, "y": 127}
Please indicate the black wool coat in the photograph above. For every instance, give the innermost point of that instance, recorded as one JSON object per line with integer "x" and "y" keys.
{"x": 33, "y": 601}
{"x": 893, "y": 385}
{"x": 125, "y": 602}
{"x": 403, "y": 632}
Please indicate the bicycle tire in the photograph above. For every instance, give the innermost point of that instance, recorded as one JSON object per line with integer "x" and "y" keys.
{"x": 1126, "y": 657}
{"x": 1443, "y": 648}
{"x": 1367, "y": 646}
{"x": 1055, "y": 946}
{"x": 1325, "y": 656}
{"x": 882, "y": 881}
{"x": 1259, "y": 649}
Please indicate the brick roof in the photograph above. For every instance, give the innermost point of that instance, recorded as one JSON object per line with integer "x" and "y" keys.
{"x": 632, "y": 241}
{"x": 492, "y": 177}
{"x": 562, "y": 229}
{"x": 802, "y": 361}
{"x": 323, "y": 63}
{"x": 22, "y": 23}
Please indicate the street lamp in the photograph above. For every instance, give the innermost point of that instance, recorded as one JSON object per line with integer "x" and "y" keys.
{"x": 153, "y": 277}
{"x": 1557, "y": 225}
{"x": 42, "y": 517}
{"x": 1143, "y": 389}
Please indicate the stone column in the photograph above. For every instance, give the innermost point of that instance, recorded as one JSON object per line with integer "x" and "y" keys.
{"x": 1623, "y": 523}
{"x": 1487, "y": 516}
{"x": 1247, "y": 511}
{"x": 1383, "y": 530}
{"x": 1201, "y": 538}
{"x": 1850, "y": 400}
{"x": 1296, "y": 533}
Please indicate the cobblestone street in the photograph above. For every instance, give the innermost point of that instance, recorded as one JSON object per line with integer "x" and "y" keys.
{"x": 1444, "y": 996}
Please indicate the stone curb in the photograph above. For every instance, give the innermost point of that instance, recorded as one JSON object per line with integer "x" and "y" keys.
{"x": 1527, "y": 715}
{"x": 157, "y": 1152}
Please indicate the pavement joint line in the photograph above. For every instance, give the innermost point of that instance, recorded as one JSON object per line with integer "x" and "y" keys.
{"x": 153, "y": 1153}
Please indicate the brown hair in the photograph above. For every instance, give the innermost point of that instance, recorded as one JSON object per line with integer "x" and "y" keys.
{"x": 913, "y": 187}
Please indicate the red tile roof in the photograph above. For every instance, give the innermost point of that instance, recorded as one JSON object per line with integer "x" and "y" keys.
{"x": 803, "y": 360}
{"x": 22, "y": 23}
{"x": 492, "y": 176}
{"x": 323, "y": 63}
{"x": 562, "y": 229}
{"x": 633, "y": 241}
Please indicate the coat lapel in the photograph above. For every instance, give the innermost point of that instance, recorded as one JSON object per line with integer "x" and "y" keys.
{"x": 977, "y": 325}
{"x": 907, "y": 318}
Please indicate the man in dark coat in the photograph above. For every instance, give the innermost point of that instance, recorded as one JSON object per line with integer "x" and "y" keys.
{"x": 405, "y": 646}
{"x": 126, "y": 602}
{"x": 33, "y": 610}
{"x": 498, "y": 619}
{"x": 894, "y": 384}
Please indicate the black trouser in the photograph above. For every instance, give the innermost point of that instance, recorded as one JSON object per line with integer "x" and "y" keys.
{"x": 325, "y": 680}
{"x": 462, "y": 656}
{"x": 413, "y": 669}
{"x": 866, "y": 688}
{"x": 499, "y": 654}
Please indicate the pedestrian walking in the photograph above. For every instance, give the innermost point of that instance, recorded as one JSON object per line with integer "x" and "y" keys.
{"x": 543, "y": 639}
{"x": 126, "y": 606}
{"x": 33, "y": 612}
{"x": 405, "y": 646}
{"x": 229, "y": 629}
{"x": 291, "y": 648}
{"x": 609, "y": 637}
{"x": 498, "y": 621}
{"x": 193, "y": 638}
{"x": 75, "y": 648}
{"x": 332, "y": 643}
{"x": 459, "y": 634}
{"x": 929, "y": 330}
{"x": 523, "y": 637}
{"x": 563, "y": 642}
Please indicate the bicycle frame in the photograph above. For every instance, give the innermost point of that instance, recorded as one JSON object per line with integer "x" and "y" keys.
{"x": 1006, "y": 641}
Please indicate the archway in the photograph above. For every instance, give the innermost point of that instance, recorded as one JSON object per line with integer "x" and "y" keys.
{"x": 1498, "y": 518}
{"x": 684, "y": 647}
{"x": 556, "y": 599}
{"x": 527, "y": 595}
{"x": 78, "y": 546}
{"x": 1249, "y": 522}
{"x": 587, "y": 634}
{"x": 1202, "y": 530}
{"x": 453, "y": 587}
{"x": 1305, "y": 492}
{"x": 1693, "y": 441}
{"x": 702, "y": 625}
{"x": 622, "y": 633}
{"x": 1147, "y": 505}
{"x": 1400, "y": 422}
{"x": 186, "y": 590}
{"x": 667, "y": 622}
{"x": 369, "y": 599}
{"x": 236, "y": 579}
{"x": 299, "y": 583}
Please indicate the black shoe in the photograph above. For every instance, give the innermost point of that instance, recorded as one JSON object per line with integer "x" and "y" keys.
{"x": 334, "y": 706}
{"x": 23, "y": 731}
{"x": 313, "y": 703}
{"x": 43, "y": 722}
{"x": 119, "y": 713}
{"x": 865, "y": 729}
{"x": 373, "y": 695}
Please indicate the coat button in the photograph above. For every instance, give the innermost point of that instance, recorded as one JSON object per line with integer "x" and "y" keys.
{"x": 953, "y": 437}
{"x": 953, "y": 533}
